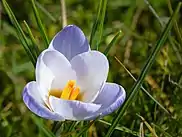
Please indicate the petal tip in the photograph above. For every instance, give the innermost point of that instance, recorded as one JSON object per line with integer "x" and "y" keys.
{"x": 72, "y": 26}
{"x": 70, "y": 41}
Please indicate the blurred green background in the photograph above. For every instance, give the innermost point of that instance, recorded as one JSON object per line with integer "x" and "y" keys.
{"x": 140, "y": 30}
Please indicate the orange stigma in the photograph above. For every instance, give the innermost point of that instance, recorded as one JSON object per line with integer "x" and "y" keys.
{"x": 69, "y": 92}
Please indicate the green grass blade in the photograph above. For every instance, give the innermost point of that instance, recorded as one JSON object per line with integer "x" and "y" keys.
{"x": 145, "y": 70}
{"x": 73, "y": 124}
{"x": 143, "y": 89}
{"x": 123, "y": 129}
{"x": 100, "y": 29}
{"x": 178, "y": 83}
{"x": 87, "y": 127}
{"x": 178, "y": 55}
{"x": 175, "y": 49}
{"x": 86, "y": 132}
{"x": 113, "y": 42}
{"x": 57, "y": 125}
{"x": 95, "y": 24}
{"x": 35, "y": 47}
{"x": 153, "y": 11}
{"x": 97, "y": 30}
{"x": 40, "y": 25}
{"x": 20, "y": 33}
{"x": 47, "y": 13}
{"x": 176, "y": 27}
{"x": 162, "y": 130}
{"x": 46, "y": 131}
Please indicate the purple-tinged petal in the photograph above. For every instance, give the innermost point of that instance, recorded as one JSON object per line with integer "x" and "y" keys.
{"x": 71, "y": 41}
{"x": 91, "y": 70}
{"x": 34, "y": 102}
{"x": 72, "y": 109}
{"x": 111, "y": 97}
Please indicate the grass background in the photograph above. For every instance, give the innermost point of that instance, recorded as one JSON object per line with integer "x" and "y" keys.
{"x": 140, "y": 32}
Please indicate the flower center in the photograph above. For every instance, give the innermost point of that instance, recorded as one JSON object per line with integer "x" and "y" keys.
{"x": 69, "y": 92}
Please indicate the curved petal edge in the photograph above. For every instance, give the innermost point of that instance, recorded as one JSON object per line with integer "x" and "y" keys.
{"x": 73, "y": 109}
{"x": 70, "y": 41}
{"x": 111, "y": 97}
{"x": 34, "y": 102}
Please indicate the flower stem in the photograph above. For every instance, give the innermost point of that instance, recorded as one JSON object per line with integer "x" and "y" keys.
{"x": 63, "y": 13}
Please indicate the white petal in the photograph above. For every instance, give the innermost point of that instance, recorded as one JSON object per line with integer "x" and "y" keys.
{"x": 91, "y": 71}
{"x": 53, "y": 71}
{"x": 73, "y": 110}
{"x": 44, "y": 76}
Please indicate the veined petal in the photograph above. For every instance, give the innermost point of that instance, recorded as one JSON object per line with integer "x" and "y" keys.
{"x": 54, "y": 70}
{"x": 34, "y": 102}
{"x": 71, "y": 41}
{"x": 91, "y": 70}
{"x": 72, "y": 109}
{"x": 111, "y": 97}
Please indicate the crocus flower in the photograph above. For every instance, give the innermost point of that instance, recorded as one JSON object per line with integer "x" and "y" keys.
{"x": 71, "y": 81}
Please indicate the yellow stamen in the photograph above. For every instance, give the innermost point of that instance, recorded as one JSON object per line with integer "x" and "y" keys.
{"x": 67, "y": 89}
{"x": 74, "y": 93}
{"x": 69, "y": 92}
